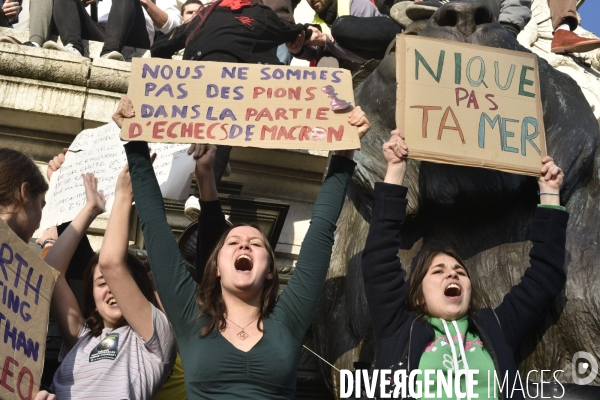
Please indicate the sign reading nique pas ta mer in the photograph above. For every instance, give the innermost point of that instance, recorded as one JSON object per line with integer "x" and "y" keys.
{"x": 470, "y": 105}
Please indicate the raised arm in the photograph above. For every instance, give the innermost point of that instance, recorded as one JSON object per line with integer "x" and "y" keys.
{"x": 64, "y": 305}
{"x": 211, "y": 221}
{"x": 174, "y": 284}
{"x": 298, "y": 303}
{"x": 385, "y": 286}
{"x": 527, "y": 303}
{"x": 113, "y": 262}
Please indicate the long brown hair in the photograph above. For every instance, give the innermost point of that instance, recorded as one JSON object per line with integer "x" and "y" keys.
{"x": 90, "y": 312}
{"x": 416, "y": 298}
{"x": 18, "y": 168}
{"x": 210, "y": 298}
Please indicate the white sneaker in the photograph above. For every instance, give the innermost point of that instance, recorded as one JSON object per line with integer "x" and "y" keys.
{"x": 52, "y": 45}
{"x": 192, "y": 208}
{"x": 113, "y": 55}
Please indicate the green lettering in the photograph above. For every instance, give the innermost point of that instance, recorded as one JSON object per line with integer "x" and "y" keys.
{"x": 523, "y": 81}
{"x": 419, "y": 58}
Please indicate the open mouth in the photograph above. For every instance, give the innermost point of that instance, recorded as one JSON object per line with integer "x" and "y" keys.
{"x": 243, "y": 263}
{"x": 112, "y": 302}
{"x": 453, "y": 290}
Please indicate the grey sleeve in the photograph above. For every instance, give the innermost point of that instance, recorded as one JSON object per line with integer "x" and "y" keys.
{"x": 338, "y": 51}
{"x": 516, "y": 12}
{"x": 364, "y": 8}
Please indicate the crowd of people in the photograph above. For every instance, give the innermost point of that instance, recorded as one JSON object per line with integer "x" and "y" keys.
{"x": 152, "y": 330}
{"x": 343, "y": 33}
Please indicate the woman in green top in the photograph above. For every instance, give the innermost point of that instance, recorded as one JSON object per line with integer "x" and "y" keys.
{"x": 254, "y": 353}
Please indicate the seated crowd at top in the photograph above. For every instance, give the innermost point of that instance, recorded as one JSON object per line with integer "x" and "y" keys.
{"x": 228, "y": 332}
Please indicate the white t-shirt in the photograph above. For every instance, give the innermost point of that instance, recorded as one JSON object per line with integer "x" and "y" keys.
{"x": 118, "y": 364}
{"x": 168, "y": 6}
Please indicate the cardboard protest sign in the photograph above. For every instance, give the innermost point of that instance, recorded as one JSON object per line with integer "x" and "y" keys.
{"x": 100, "y": 151}
{"x": 470, "y": 105}
{"x": 26, "y": 284}
{"x": 255, "y": 105}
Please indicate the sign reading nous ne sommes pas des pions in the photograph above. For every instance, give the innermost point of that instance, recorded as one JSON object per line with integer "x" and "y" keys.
{"x": 266, "y": 106}
{"x": 470, "y": 105}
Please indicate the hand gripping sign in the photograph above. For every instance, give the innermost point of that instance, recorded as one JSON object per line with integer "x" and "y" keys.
{"x": 470, "y": 105}
{"x": 266, "y": 106}
{"x": 26, "y": 284}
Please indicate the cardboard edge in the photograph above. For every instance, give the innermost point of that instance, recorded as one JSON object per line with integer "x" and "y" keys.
{"x": 400, "y": 81}
{"x": 473, "y": 162}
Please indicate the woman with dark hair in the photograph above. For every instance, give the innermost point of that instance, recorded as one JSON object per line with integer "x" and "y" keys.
{"x": 433, "y": 322}
{"x": 22, "y": 192}
{"x": 120, "y": 346}
{"x": 240, "y": 31}
{"x": 235, "y": 341}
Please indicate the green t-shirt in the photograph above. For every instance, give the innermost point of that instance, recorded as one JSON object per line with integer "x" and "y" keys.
{"x": 438, "y": 355}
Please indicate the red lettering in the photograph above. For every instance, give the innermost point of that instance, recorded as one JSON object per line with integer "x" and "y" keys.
{"x": 251, "y": 112}
{"x": 135, "y": 130}
{"x": 295, "y": 112}
{"x": 282, "y": 133}
{"x": 170, "y": 130}
{"x": 321, "y": 113}
{"x": 209, "y": 131}
{"x": 224, "y": 129}
{"x": 158, "y": 128}
{"x": 458, "y": 97}
{"x": 6, "y": 372}
{"x": 264, "y": 113}
{"x": 266, "y": 129}
{"x": 186, "y": 130}
{"x": 280, "y": 92}
{"x": 258, "y": 91}
{"x": 291, "y": 132}
{"x": 304, "y": 133}
{"x": 198, "y": 130}
{"x": 309, "y": 92}
{"x": 29, "y": 394}
{"x": 487, "y": 96}
{"x": 280, "y": 113}
{"x": 473, "y": 100}
{"x": 339, "y": 134}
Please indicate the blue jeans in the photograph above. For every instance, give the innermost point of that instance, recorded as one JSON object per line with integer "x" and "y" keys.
{"x": 284, "y": 55}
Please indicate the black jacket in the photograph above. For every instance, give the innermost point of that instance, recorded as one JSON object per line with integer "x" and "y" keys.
{"x": 401, "y": 337}
{"x": 250, "y": 34}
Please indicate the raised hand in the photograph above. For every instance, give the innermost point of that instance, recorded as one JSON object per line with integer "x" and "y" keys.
{"x": 123, "y": 187}
{"x": 44, "y": 395}
{"x": 358, "y": 118}
{"x": 94, "y": 199}
{"x": 550, "y": 181}
{"x": 56, "y": 163}
{"x": 204, "y": 154}
{"x": 124, "y": 110}
{"x": 395, "y": 152}
{"x": 296, "y": 46}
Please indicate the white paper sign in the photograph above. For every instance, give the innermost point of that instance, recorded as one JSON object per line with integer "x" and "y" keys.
{"x": 101, "y": 152}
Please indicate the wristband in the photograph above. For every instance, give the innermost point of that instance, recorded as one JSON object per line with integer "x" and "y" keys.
{"x": 550, "y": 194}
{"x": 48, "y": 242}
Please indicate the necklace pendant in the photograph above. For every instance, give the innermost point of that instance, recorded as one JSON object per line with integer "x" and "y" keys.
{"x": 242, "y": 335}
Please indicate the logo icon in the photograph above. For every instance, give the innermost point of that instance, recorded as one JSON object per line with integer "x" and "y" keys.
{"x": 583, "y": 367}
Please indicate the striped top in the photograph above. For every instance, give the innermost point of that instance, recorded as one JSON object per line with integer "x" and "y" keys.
{"x": 118, "y": 364}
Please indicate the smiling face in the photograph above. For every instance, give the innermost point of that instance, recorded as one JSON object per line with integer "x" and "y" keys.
{"x": 106, "y": 304}
{"x": 243, "y": 262}
{"x": 446, "y": 288}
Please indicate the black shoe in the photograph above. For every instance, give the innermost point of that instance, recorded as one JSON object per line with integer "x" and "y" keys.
{"x": 31, "y": 44}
